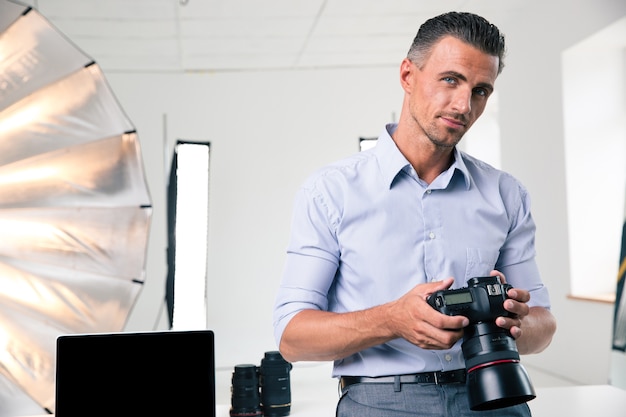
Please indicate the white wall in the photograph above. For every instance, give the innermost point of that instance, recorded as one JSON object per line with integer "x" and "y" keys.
{"x": 268, "y": 130}
{"x": 533, "y": 149}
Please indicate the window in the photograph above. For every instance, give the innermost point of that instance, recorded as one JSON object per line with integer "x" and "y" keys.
{"x": 594, "y": 113}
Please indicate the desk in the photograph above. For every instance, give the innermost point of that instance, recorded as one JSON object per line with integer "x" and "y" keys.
{"x": 314, "y": 394}
{"x": 583, "y": 401}
{"x": 578, "y": 401}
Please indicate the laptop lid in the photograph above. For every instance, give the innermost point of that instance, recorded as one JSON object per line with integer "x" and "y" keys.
{"x": 135, "y": 374}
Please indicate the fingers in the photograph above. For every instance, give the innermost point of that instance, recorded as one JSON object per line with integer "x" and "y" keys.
{"x": 517, "y": 294}
{"x": 439, "y": 331}
{"x": 435, "y": 330}
{"x": 434, "y": 317}
{"x": 513, "y": 325}
{"x": 438, "y": 341}
{"x": 419, "y": 323}
{"x": 516, "y": 305}
{"x": 429, "y": 288}
{"x": 496, "y": 273}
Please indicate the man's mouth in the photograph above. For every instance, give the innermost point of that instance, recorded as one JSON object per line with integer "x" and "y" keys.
{"x": 454, "y": 122}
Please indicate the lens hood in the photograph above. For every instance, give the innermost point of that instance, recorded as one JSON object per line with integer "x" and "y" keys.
{"x": 498, "y": 385}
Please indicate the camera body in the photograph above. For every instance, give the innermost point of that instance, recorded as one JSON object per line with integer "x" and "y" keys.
{"x": 495, "y": 376}
{"x": 482, "y": 300}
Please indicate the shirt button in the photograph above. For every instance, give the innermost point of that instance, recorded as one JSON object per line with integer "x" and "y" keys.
{"x": 448, "y": 357}
{"x": 429, "y": 191}
{"x": 431, "y": 235}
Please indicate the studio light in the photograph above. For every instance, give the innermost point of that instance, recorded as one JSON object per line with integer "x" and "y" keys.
{"x": 188, "y": 205}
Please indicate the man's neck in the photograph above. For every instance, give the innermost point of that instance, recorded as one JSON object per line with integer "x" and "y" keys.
{"x": 426, "y": 158}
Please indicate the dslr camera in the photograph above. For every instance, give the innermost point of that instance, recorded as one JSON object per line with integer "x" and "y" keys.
{"x": 495, "y": 377}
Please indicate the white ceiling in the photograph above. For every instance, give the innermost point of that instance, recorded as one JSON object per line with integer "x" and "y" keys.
{"x": 226, "y": 35}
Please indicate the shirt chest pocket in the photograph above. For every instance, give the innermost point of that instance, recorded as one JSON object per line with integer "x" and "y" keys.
{"x": 480, "y": 262}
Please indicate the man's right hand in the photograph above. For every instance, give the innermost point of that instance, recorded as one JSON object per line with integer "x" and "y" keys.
{"x": 413, "y": 319}
{"x": 315, "y": 335}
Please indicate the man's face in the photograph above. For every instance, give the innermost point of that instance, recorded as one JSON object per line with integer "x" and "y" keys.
{"x": 449, "y": 92}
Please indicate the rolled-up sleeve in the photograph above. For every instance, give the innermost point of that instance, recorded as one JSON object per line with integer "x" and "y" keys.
{"x": 312, "y": 260}
{"x": 299, "y": 289}
{"x": 517, "y": 256}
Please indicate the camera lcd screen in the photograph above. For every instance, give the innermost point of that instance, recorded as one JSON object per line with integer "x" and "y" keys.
{"x": 458, "y": 298}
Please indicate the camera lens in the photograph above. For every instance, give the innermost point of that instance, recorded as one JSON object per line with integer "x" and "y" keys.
{"x": 495, "y": 376}
{"x": 245, "y": 399}
{"x": 275, "y": 385}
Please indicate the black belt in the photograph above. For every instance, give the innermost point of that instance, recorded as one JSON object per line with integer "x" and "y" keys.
{"x": 438, "y": 377}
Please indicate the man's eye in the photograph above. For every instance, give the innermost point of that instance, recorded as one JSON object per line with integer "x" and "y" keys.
{"x": 481, "y": 92}
{"x": 449, "y": 80}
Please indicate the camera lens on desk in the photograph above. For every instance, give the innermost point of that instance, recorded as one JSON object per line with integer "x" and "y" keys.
{"x": 245, "y": 399}
{"x": 275, "y": 385}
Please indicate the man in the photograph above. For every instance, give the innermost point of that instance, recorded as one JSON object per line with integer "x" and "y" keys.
{"x": 375, "y": 234}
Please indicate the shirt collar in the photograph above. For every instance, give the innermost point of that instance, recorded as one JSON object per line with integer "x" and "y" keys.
{"x": 392, "y": 162}
{"x": 459, "y": 165}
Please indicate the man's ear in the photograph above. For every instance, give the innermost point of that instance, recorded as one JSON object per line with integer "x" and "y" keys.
{"x": 407, "y": 69}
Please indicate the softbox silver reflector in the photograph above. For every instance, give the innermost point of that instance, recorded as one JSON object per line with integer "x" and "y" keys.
{"x": 74, "y": 204}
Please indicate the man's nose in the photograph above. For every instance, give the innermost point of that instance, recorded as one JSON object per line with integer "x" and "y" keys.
{"x": 462, "y": 101}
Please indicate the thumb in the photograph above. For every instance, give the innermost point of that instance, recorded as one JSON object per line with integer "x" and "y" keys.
{"x": 438, "y": 286}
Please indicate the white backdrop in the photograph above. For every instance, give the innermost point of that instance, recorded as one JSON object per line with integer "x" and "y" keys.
{"x": 270, "y": 129}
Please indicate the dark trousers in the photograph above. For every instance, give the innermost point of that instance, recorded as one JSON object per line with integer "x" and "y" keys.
{"x": 415, "y": 400}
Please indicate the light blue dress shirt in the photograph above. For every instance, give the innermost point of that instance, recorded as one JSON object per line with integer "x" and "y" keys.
{"x": 367, "y": 229}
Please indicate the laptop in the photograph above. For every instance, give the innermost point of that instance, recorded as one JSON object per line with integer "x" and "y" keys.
{"x": 162, "y": 373}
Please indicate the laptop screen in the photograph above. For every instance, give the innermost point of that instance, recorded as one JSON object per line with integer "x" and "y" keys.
{"x": 134, "y": 374}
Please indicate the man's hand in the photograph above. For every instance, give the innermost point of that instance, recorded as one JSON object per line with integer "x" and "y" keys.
{"x": 531, "y": 327}
{"x": 413, "y": 319}
{"x": 516, "y": 304}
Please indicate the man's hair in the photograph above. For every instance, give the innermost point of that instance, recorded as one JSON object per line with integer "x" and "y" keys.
{"x": 467, "y": 27}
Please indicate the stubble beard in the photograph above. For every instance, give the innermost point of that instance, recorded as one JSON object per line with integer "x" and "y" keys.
{"x": 447, "y": 141}
{"x": 444, "y": 138}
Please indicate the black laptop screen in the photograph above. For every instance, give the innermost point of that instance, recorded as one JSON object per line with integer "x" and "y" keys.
{"x": 124, "y": 374}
